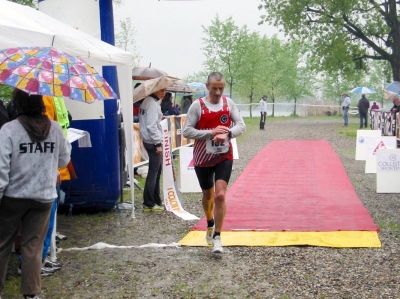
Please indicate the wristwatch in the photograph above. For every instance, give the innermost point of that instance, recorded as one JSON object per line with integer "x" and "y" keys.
{"x": 230, "y": 134}
{"x": 158, "y": 144}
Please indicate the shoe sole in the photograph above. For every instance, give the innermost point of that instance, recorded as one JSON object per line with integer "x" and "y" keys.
{"x": 217, "y": 250}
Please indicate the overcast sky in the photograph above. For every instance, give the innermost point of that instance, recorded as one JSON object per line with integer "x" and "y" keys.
{"x": 169, "y": 33}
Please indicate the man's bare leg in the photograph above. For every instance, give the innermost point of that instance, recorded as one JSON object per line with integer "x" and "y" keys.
{"x": 208, "y": 207}
{"x": 208, "y": 203}
{"x": 220, "y": 204}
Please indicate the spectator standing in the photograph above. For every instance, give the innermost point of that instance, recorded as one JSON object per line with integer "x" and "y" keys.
{"x": 396, "y": 105}
{"x": 167, "y": 107}
{"x": 345, "y": 106}
{"x": 28, "y": 177}
{"x": 363, "y": 106}
{"x": 374, "y": 106}
{"x": 151, "y": 133}
{"x": 263, "y": 111}
{"x": 186, "y": 103}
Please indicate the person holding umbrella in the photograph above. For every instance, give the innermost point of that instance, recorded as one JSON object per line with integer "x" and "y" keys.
{"x": 33, "y": 147}
{"x": 363, "y": 106}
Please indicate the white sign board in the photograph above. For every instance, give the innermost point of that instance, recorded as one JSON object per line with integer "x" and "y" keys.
{"x": 188, "y": 182}
{"x": 375, "y": 144}
{"x": 361, "y": 142}
{"x": 388, "y": 171}
{"x": 235, "y": 149}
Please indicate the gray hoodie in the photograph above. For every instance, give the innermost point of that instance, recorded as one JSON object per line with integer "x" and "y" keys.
{"x": 29, "y": 169}
{"x": 150, "y": 116}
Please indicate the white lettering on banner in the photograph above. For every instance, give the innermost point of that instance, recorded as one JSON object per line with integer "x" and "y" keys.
{"x": 171, "y": 197}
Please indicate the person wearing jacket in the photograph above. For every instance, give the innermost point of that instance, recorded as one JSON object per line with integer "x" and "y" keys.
{"x": 363, "y": 106}
{"x": 32, "y": 148}
{"x": 167, "y": 108}
{"x": 150, "y": 117}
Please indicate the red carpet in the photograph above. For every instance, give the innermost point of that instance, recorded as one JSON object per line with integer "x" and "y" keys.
{"x": 297, "y": 185}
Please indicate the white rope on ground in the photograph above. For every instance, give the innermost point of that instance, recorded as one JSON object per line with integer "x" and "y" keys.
{"x": 101, "y": 245}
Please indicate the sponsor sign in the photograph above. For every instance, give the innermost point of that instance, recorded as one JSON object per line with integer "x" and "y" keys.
{"x": 361, "y": 143}
{"x": 377, "y": 143}
{"x": 387, "y": 162}
{"x": 187, "y": 176}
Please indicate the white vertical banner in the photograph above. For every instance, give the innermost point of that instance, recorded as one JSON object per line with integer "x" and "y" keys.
{"x": 171, "y": 197}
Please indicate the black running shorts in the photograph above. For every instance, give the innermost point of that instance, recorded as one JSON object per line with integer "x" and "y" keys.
{"x": 208, "y": 175}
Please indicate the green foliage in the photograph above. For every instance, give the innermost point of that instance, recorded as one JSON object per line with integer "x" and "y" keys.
{"x": 225, "y": 47}
{"x": 6, "y": 92}
{"x": 255, "y": 65}
{"x": 25, "y": 2}
{"x": 125, "y": 39}
{"x": 341, "y": 33}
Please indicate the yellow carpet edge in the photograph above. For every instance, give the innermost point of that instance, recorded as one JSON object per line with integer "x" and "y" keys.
{"x": 338, "y": 239}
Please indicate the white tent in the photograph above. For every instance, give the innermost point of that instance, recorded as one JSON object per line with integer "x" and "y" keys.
{"x": 23, "y": 26}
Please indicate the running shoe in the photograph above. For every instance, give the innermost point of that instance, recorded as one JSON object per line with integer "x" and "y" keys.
{"x": 51, "y": 265}
{"x": 210, "y": 234}
{"x": 30, "y": 297}
{"x": 217, "y": 245}
{"x": 61, "y": 237}
{"x": 44, "y": 272}
{"x": 156, "y": 208}
{"x": 47, "y": 271}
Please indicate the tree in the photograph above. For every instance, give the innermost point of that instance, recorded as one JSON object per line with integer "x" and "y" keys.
{"x": 225, "y": 48}
{"x": 279, "y": 66}
{"x": 343, "y": 33}
{"x": 31, "y": 3}
{"x": 250, "y": 84}
{"x": 299, "y": 78}
{"x": 125, "y": 39}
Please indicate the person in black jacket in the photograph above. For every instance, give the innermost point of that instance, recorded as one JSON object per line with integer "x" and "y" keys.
{"x": 363, "y": 106}
{"x": 167, "y": 108}
{"x": 396, "y": 105}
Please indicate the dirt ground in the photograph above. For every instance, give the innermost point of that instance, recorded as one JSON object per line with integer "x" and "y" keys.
{"x": 241, "y": 272}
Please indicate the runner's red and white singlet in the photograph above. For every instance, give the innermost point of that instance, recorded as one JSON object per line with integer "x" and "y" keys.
{"x": 208, "y": 121}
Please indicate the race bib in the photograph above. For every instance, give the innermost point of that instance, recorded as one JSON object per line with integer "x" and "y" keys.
{"x": 217, "y": 148}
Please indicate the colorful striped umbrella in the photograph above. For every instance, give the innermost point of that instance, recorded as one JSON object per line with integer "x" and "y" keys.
{"x": 48, "y": 71}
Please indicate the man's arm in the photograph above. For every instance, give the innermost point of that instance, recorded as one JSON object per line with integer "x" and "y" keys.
{"x": 239, "y": 127}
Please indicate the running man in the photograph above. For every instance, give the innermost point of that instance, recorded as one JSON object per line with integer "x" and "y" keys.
{"x": 208, "y": 121}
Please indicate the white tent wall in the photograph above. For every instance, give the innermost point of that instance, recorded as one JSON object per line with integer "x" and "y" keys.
{"x": 23, "y": 26}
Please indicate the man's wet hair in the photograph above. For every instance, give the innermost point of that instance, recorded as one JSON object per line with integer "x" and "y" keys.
{"x": 216, "y": 76}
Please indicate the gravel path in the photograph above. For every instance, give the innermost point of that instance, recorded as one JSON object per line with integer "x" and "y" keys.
{"x": 242, "y": 272}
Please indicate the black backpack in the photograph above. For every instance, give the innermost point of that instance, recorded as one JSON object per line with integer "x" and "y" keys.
{"x": 4, "y": 118}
